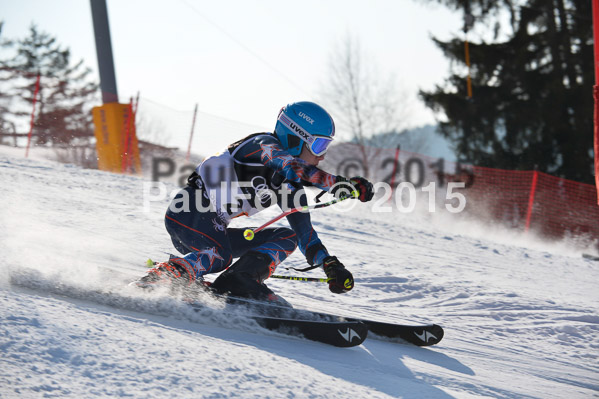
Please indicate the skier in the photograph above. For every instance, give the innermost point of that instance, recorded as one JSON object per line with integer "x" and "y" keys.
{"x": 253, "y": 173}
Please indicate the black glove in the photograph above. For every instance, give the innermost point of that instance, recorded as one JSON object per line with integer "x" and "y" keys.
{"x": 344, "y": 187}
{"x": 339, "y": 278}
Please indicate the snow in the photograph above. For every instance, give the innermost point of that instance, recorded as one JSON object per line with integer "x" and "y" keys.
{"x": 520, "y": 315}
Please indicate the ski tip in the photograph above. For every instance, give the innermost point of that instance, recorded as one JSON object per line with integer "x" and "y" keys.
{"x": 353, "y": 335}
{"x": 344, "y": 334}
{"x": 439, "y": 332}
{"x": 427, "y": 336}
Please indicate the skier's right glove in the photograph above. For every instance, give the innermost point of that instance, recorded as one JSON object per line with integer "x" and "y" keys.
{"x": 344, "y": 187}
{"x": 339, "y": 278}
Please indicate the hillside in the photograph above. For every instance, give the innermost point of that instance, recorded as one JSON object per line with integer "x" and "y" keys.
{"x": 520, "y": 315}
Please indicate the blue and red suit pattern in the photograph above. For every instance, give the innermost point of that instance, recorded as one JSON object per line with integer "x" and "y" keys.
{"x": 204, "y": 238}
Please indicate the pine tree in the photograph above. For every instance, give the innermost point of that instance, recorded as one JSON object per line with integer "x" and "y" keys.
{"x": 65, "y": 95}
{"x": 532, "y": 101}
{"x": 5, "y": 98}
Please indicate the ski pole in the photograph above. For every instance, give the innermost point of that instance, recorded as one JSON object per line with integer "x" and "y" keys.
{"x": 151, "y": 263}
{"x": 311, "y": 279}
{"x": 248, "y": 234}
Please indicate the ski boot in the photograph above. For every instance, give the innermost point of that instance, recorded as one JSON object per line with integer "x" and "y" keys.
{"x": 245, "y": 279}
{"x": 165, "y": 274}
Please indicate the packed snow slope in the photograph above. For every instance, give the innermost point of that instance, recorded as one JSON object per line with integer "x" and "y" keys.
{"x": 520, "y": 316}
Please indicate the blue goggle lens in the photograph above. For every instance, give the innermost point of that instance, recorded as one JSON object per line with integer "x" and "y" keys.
{"x": 319, "y": 145}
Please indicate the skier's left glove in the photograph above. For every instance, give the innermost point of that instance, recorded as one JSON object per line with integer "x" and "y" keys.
{"x": 339, "y": 278}
{"x": 343, "y": 187}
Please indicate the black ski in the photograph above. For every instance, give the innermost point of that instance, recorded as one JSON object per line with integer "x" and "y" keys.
{"x": 337, "y": 333}
{"x": 330, "y": 329}
{"x": 420, "y": 335}
{"x": 342, "y": 333}
{"x": 327, "y": 331}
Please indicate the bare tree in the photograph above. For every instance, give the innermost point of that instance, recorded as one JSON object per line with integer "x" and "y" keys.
{"x": 362, "y": 100}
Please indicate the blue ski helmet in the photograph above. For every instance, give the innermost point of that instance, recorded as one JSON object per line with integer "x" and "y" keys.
{"x": 305, "y": 122}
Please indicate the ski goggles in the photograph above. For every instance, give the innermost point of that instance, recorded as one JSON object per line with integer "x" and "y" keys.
{"x": 318, "y": 145}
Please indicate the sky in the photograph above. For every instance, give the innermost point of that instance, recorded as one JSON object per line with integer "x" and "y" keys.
{"x": 243, "y": 60}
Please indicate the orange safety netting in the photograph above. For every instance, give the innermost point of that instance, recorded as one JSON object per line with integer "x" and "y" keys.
{"x": 524, "y": 200}
{"x": 552, "y": 206}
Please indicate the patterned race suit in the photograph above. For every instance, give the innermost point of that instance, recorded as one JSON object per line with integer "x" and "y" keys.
{"x": 249, "y": 176}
